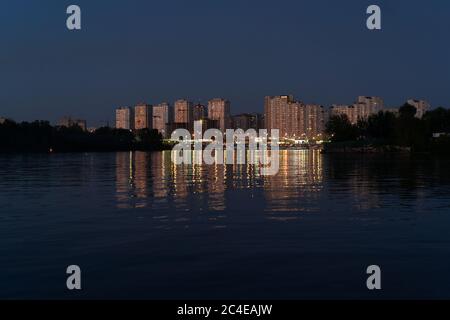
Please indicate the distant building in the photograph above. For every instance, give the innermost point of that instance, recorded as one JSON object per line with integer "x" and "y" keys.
{"x": 125, "y": 118}
{"x": 369, "y": 105}
{"x": 294, "y": 119}
{"x": 261, "y": 121}
{"x": 69, "y": 122}
{"x": 162, "y": 117}
{"x": 2, "y": 120}
{"x": 363, "y": 108}
{"x": 286, "y": 115}
{"x": 183, "y": 114}
{"x": 273, "y": 106}
{"x": 315, "y": 120}
{"x": 247, "y": 121}
{"x": 206, "y": 124}
{"x": 421, "y": 106}
{"x": 349, "y": 110}
{"x": 183, "y": 111}
{"x": 143, "y": 116}
{"x": 219, "y": 109}
{"x": 200, "y": 112}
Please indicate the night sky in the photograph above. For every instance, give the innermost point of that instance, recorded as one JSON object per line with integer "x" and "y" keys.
{"x": 162, "y": 50}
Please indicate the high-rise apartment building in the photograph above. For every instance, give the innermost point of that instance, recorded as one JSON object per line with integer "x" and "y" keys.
{"x": 367, "y": 106}
{"x": 69, "y": 122}
{"x": 125, "y": 118}
{"x": 361, "y": 109}
{"x": 373, "y": 104}
{"x": 183, "y": 114}
{"x": 219, "y": 109}
{"x": 275, "y": 112}
{"x": 143, "y": 116}
{"x": 315, "y": 120}
{"x": 294, "y": 119}
{"x": 349, "y": 110}
{"x": 421, "y": 106}
{"x": 162, "y": 117}
{"x": 286, "y": 115}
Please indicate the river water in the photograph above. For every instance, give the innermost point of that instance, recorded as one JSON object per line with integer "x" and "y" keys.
{"x": 141, "y": 227}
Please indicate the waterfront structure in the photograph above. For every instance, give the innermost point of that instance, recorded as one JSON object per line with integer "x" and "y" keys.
{"x": 219, "y": 109}
{"x": 205, "y": 125}
{"x": 125, "y": 118}
{"x": 69, "y": 122}
{"x": 162, "y": 117}
{"x": 421, "y": 106}
{"x": 143, "y": 116}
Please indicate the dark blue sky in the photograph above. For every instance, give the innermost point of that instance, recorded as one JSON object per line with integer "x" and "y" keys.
{"x": 161, "y": 50}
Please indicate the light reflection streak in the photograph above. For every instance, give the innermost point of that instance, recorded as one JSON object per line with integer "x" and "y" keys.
{"x": 153, "y": 181}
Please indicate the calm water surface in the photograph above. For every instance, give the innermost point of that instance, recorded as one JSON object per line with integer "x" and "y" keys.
{"x": 141, "y": 227}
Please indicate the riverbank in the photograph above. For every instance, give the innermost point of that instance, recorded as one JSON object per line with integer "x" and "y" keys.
{"x": 435, "y": 146}
{"x": 41, "y": 137}
{"x": 357, "y": 147}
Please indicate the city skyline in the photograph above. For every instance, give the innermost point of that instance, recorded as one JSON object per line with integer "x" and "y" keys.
{"x": 293, "y": 118}
{"x": 167, "y": 118}
{"x": 324, "y": 56}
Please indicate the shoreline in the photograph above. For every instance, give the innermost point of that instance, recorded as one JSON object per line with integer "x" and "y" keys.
{"x": 366, "y": 149}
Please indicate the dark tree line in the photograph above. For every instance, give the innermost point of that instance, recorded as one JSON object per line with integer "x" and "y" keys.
{"x": 40, "y": 136}
{"x": 402, "y": 129}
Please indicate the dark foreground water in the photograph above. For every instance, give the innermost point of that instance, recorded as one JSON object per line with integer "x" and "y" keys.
{"x": 141, "y": 227}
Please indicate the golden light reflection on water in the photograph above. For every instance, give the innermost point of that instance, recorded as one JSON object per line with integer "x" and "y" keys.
{"x": 300, "y": 178}
{"x": 152, "y": 180}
